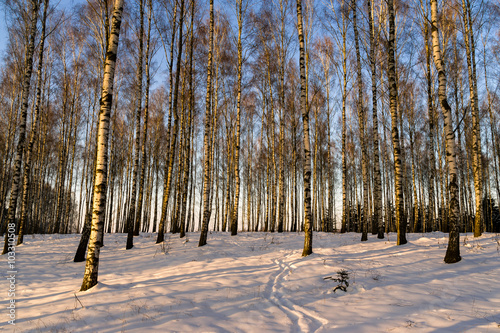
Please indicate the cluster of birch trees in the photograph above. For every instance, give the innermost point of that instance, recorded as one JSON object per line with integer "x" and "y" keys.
{"x": 367, "y": 116}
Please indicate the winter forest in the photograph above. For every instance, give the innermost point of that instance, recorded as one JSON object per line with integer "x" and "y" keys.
{"x": 372, "y": 120}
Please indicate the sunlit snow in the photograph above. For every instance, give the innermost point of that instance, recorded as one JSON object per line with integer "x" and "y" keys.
{"x": 258, "y": 282}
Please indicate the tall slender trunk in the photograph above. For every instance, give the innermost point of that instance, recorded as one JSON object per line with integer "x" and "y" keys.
{"x": 249, "y": 175}
{"x": 111, "y": 178}
{"x": 266, "y": 194}
{"x": 174, "y": 223}
{"x": 34, "y": 129}
{"x": 173, "y": 143}
{"x": 431, "y": 145}
{"x": 61, "y": 168}
{"x": 453, "y": 250}
{"x": 494, "y": 133}
{"x": 345, "y": 208}
{"x": 413, "y": 171}
{"x": 213, "y": 138}
{"x": 377, "y": 189}
{"x": 206, "y": 147}
{"x": 163, "y": 217}
{"x": 145, "y": 220}
{"x": 66, "y": 203}
{"x": 188, "y": 164}
{"x": 329, "y": 161}
{"x": 271, "y": 138}
{"x": 92, "y": 264}
{"x": 14, "y": 193}
{"x": 282, "y": 57}
{"x": 131, "y": 221}
{"x": 228, "y": 180}
{"x": 175, "y": 228}
{"x": 144, "y": 157}
{"x": 294, "y": 173}
{"x": 192, "y": 189}
{"x": 362, "y": 120}
{"x": 185, "y": 180}
{"x": 234, "y": 215}
{"x": 393, "y": 97}
{"x": 476, "y": 132}
{"x": 315, "y": 172}
{"x": 308, "y": 240}
{"x": 155, "y": 212}
{"x": 9, "y": 142}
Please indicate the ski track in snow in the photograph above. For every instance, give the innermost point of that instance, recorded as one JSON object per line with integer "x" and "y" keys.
{"x": 303, "y": 320}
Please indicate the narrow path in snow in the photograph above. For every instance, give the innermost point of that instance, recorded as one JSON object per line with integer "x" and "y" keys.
{"x": 302, "y": 319}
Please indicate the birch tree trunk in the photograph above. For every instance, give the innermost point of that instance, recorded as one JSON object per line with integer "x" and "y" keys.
{"x": 282, "y": 56}
{"x": 144, "y": 157}
{"x": 188, "y": 157}
{"x": 362, "y": 120}
{"x": 453, "y": 250}
{"x": 5, "y": 184}
{"x": 431, "y": 146}
{"x": 234, "y": 215}
{"x": 344, "y": 127}
{"x": 308, "y": 240}
{"x": 413, "y": 170}
{"x": 166, "y": 186}
{"x": 493, "y": 130}
{"x": 28, "y": 69}
{"x": 131, "y": 221}
{"x": 206, "y": 146}
{"x": 476, "y": 133}
{"x": 377, "y": 190}
{"x": 34, "y": 129}
{"x": 99, "y": 205}
{"x": 170, "y": 161}
{"x": 393, "y": 102}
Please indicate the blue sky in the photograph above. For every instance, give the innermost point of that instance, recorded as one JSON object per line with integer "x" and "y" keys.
{"x": 61, "y": 4}
{"x": 3, "y": 32}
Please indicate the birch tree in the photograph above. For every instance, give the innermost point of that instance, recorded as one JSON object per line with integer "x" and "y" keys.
{"x": 144, "y": 156}
{"x": 131, "y": 221}
{"x": 377, "y": 190}
{"x": 234, "y": 215}
{"x": 476, "y": 130}
{"x": 393, "y": 96}
{"x": 453, "y": 249}
{"x": 34, "y": 129}
{"x": 307, "y": 150}
{"x": 170, "y": 152}
{"x": 362, "y": 120}
{"x": 100, "y": 182}
{"x": 206, "y": 146}
{"x": 21, "y": 143}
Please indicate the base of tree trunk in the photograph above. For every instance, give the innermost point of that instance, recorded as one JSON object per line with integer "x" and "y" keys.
{"x": 451, "y": 258}
{"x": 86, "y": 285}
{"x": 160, "y": 238}
{"x": 307, "y": 252}
{"x": 380, "y": 234}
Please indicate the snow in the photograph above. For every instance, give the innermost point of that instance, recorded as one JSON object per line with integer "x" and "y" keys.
{"x": 258, "y": 282}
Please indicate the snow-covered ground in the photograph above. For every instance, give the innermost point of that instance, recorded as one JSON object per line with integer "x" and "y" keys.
{"x": 258, "y": 282}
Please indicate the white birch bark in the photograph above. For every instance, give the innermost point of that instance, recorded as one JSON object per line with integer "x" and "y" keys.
{"x": 92, "y": 264}
{"x": 453, "y": 250}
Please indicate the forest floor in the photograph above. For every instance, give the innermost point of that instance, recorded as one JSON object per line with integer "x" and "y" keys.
{"x": 258, "y": 282}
